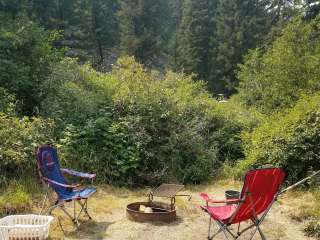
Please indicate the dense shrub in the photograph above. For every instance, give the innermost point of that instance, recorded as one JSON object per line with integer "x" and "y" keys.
{"x": 134, "y": 126}
{"x": 289, "y": 139}
{"x": 237, "y": 118}
{"x": 7, "y": 102}
{"x": 26, "y": 54}
{"x": 19, "y": 138}
{"x": 274, "y": 78}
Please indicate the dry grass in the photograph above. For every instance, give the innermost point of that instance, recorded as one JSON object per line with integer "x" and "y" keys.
{"x": 307, "y": 210}
{"x": 110, "y": 222}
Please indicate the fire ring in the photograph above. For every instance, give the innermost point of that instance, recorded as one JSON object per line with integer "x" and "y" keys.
{"x": 160, "y": 212}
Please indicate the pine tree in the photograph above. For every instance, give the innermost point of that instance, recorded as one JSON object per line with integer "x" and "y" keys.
{"x": 174, "y": 19}
{"x": 240, "y": 26}
{"x": 142, "y": 28}
{"x": 312, "y": 8}
{"x": 282, "y": 11}
{"x": 193, "y": 38}
{"x": 104, "y": 27}
{"x": 89, "y": 27}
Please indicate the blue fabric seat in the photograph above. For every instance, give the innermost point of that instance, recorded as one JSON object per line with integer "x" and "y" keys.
{"x": 84, "y": 193}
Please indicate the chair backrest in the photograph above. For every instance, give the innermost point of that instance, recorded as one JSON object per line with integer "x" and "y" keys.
{"x": 258, "y": 192}
{"x": 49, "y": 168}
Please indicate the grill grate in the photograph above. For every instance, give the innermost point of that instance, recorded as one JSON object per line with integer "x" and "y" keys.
{"x": 167, "y": 190}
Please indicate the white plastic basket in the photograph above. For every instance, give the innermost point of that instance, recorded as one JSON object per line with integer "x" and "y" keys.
{"x": 25, "y": 227}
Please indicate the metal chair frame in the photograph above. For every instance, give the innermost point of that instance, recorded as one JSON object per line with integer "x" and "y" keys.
{"x": 83, "y": 203}
{"x": 256, "y": 221}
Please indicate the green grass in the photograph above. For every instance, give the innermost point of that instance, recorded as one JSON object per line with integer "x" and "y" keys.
{"x": 15, "y": 198}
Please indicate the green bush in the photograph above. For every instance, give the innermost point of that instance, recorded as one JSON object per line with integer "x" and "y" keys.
{"x": 19, "y": 139}
{"x": 134, "y": 126}
{"x": 26, "y": 55}
{"x": 289, "y": 139}
{"x": 7, "y": 102}
{"x": 275, "y": 77}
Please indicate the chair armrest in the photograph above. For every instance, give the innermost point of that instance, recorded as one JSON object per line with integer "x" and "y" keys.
{"x": 78, "y": 174}
{"x": 49, "y": 181}
{"x": 206, "y": 198}
{"x": 233, "y": 200}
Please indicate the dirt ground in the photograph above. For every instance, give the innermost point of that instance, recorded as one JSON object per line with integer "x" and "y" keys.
{"x": 109, "y": 218}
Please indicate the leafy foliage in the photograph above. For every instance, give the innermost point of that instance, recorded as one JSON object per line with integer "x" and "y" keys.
{"x": 20, "y": 137}
{"x": 276, "y": 78}
{"x": 134, "y": 126}
{"x": 26, "y": 54}
{"x": 288, "y": 139}
{"x": 7, "y": 102}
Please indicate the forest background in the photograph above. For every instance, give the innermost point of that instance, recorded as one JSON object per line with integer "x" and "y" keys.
{"x": 146, "y": 91}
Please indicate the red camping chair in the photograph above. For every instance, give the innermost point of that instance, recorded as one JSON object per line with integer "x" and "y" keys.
{"x": 260, "y": 190}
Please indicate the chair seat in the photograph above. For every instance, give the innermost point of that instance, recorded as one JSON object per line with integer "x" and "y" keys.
{"x": 221, "y": 213}
{"x": 79, "y": 194}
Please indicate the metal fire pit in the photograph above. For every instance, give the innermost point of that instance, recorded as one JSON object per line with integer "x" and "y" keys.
{"x": 161, "y": 212}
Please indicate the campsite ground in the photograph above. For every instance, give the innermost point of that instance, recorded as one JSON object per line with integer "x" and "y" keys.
{"x": 110, "y": 222}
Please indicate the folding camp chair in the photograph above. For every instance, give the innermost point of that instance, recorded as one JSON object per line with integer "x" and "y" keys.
{"x": 52, "y": 175}
{"x": 259, "y": 192}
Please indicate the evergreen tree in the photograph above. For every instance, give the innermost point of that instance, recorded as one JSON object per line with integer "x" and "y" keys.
{"x": 240, "y": 25}
{"x": 193, "y": 38}
{"x": 283, "y": 10}
{"x": 174, "y": 19}
{"x": 104, "y": 27}
{"x": 142, "y": 29}
{"x": 312, "y": 8}
{"x": 26, "y": 58}
{"x": 89, "y": 27}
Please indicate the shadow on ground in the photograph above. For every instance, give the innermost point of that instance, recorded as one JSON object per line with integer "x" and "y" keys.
{"x": 87, "y": 230}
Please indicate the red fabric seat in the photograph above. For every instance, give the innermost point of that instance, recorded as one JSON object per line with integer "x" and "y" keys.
{"x": 222, "y": 213}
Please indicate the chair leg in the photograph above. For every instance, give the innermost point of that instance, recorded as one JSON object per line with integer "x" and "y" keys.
{"x": 50, "y": 209}
{"x": 44, "y": 202}
{"x": 84, "y": 207}
{"x": 86, "y": 210}
{"x": 210, "y": 237}
{"x": 261, "y": 234}
{"x": 75, "y": 217}
{"x": 222, "y": 228}
{"x": 74, "y": 220}
{"x": 209, "y": 231}
{"x": 226, "y": 231}
{"x": 257, "y": 222}
{"x": 62, "y": 207}
{"x": 257, "y": 228}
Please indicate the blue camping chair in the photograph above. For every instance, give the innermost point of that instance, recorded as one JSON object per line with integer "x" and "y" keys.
{"x": 53, "y": 176}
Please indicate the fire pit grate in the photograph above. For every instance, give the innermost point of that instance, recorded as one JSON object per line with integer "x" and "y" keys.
{"x": 167, "y": 190}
